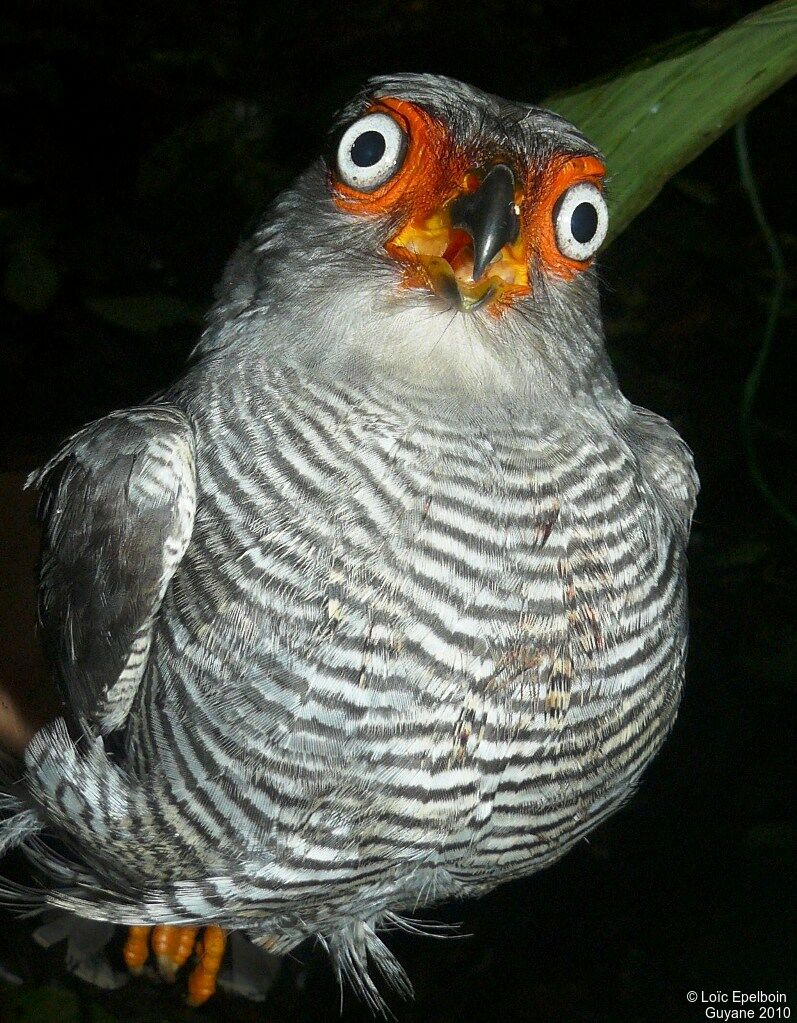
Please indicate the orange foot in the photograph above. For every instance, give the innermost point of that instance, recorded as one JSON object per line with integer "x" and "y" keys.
{"x": 172, "y": 947}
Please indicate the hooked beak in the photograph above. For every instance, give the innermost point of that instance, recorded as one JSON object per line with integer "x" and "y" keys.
{"x": 489, "y": 216}
{"x": 469, "y": 252}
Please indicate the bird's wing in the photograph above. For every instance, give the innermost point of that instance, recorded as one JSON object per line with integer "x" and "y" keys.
{"x": 117, "y": 505}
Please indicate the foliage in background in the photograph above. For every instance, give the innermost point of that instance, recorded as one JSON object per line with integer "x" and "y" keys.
{"x": 651, "y": 121}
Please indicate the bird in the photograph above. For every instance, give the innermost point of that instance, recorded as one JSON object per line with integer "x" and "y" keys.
{"x": 382, "y": 602}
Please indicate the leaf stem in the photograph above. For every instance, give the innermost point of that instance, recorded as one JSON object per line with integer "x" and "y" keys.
{"x": 753, "y": 381}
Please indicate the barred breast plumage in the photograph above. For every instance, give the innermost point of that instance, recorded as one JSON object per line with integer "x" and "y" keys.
{"x": 430, "y": 625}
{"x": 402, "y": 703}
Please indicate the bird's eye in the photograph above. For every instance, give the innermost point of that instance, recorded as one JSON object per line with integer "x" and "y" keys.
{"x": 370, "y": 152}
{"x": 580, "y": 220}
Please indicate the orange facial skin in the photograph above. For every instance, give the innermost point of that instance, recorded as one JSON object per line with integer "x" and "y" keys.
{"x": 430, "y": 171}
{"x": 547, "y": 185}
{"x": 438, "y": 257}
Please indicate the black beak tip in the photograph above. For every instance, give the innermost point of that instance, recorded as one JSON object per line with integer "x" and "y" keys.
{"x": 489, "y": 216}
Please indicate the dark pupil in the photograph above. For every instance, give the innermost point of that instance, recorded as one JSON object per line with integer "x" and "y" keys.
{"x": 368, "y": 149}
{"x": 584, "y": 222}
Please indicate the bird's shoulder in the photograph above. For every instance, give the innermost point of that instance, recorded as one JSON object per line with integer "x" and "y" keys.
{"x": 117, "y": 507}
{"x": 667, "y": 463}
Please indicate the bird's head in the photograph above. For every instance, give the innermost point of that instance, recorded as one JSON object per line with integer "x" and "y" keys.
{"x": 448, "y": 232}
{"x": 475, "y": 197}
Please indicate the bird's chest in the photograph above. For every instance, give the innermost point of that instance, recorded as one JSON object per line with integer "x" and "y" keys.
{"x": 372, "y": 580}
{"x": 400, "y": 632}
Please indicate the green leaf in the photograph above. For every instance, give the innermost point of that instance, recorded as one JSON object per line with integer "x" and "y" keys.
{"x": 143, "y": 314}
{"x": 651, "y": 121}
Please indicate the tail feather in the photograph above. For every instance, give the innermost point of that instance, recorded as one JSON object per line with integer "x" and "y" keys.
{"x": 352, "y": 948}
{"x": 74, "y": 815}
{"x": 20, "y": 824}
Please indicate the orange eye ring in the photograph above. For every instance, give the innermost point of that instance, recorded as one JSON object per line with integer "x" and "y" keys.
{"x": 434, "y": 169}
{"x": 559, "y": 177}
{"x": 416, "y": 185}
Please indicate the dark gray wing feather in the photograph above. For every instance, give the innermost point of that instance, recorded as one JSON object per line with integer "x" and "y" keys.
{"x": 117, "y": 506}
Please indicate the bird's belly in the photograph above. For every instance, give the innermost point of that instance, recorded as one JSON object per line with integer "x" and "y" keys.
{"x": 416, "y": 679}
{"x": 434, "y": 776}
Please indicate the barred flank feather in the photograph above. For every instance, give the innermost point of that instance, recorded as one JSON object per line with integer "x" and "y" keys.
{"x": 390, "y": 669}
{"x": 352, "y": 949}
{"x": 18, "y": 828}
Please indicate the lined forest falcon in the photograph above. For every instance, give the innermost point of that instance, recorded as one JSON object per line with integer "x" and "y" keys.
{"x": 384, "y": 601}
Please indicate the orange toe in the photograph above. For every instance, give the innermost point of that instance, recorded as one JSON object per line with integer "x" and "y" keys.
{"x": 210, "y": 949}
{"x": 136, "y": 950}
{"x": 164, "y": 942}
{"x": 184, "y": 946}
{"x": 172, "y": 946}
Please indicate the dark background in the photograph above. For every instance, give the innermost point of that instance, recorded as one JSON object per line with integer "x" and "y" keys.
{"x": 138, "y": 141}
